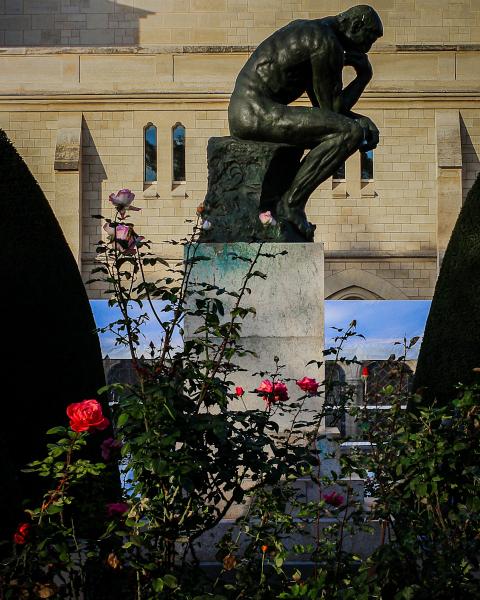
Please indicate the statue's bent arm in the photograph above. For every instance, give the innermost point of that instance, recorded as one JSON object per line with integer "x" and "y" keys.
{"x": 327, "y": 79}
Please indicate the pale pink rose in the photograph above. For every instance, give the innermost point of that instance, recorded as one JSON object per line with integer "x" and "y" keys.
{"x": 122, "y": 201}
{"x": 273, "y": 392}
{"x": 126, "y": 239}
{"x": 266, "y": 218}
{"x": 307, "y": 384}
{"x": 124, "y": 232}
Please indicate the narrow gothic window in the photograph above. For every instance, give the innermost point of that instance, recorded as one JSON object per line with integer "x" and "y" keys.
{"x": 366, "y": 165}
{"x": 178, "y": 141}
{"x": 339, "y": 174}
{"x": 150, "y": 153}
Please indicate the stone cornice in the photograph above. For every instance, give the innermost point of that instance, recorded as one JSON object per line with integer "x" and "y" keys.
{"x": 189, "y": 49}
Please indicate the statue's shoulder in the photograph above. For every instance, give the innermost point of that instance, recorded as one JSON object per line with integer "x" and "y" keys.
{"x": 316, "y": 33}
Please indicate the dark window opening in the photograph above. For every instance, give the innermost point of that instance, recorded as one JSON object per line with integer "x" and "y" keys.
{"x": 366, "y": 165}
{"x": 150, "y": 149}
{"x": 178, "y": 140}
{"x": 339, "y": 174}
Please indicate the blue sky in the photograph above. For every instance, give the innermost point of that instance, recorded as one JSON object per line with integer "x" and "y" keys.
{"x": 382, "y": 322}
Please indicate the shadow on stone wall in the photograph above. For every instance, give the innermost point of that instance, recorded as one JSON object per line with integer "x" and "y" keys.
{"x": 93, "y": 175}
{"x": 69, "y": 23}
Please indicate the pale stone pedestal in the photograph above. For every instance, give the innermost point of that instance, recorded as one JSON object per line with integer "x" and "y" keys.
{"x": 289, "y": 319}
{"x": 288, "y": 323}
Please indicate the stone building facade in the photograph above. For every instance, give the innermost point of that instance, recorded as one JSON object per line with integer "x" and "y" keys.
{"x": 80, "y": 80}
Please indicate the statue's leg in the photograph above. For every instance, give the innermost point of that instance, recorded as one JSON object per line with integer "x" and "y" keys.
{"x": 319, "y": 164}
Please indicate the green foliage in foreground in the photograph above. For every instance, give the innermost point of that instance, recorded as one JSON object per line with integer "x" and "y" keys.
{"x": 190, "y": 450}
{"x": 450, "y": 348}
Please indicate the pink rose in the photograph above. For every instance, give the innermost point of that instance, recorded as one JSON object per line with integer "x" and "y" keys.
{"x": 109, "y": 446}
{"x": 86, "y": 416}
{"x": 334, "y": 499}
{"x": 273, "y": 392}
{"x": 22, "y": 535}
{"x": 266, "y": 218}
{"x": 239, "y": 391}
{"x": 125, "y": 237}
{"x": 122, "y": 201}
{"x": 307, "y": 384}
{"x": 117, "y": 509}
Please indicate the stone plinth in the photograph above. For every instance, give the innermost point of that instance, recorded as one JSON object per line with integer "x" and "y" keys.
{"x": 244, "y": 179}
{"x": 289, "y": 311}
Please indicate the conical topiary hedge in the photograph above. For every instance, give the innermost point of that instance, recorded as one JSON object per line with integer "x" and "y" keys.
{"x": 51, "y": 353}
{"x": 451, "y": 345}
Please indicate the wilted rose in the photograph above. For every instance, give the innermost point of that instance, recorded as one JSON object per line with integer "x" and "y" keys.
{"x": 87, "y": 416}
{"x": 22, "y": 535}
{"x": 229, "y": 562}
{"x": 334, "y": 499}
{"x": 113, "y": 561}
{"x": 117, "y": 509}
{"x": 273, "y": 392}
{"x": 45, "y": 590}
{"x": 122, "y": 201}
{"x": 307, "y": 384}
{"x": 109, "y": 446}
{"x": 266, "y": 218}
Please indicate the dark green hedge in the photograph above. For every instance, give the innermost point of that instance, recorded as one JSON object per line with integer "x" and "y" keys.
{"x": 451, "y": 346}
{"x": 51, "y": 354}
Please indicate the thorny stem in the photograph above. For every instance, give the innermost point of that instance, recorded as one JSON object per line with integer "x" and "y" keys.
{"x": 60, "y": 489}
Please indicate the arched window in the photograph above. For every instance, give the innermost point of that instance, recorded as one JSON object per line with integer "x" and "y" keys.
{"x": 178, "y": 142}
{"x": 339, "y": 174}
{"x": 150, "y": 153}
{"x": 366, "y": 165}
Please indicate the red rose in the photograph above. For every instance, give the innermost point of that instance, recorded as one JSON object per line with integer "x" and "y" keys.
{"x": 239, "y": 391}
{"x": 22, "y": 534}
{"x": 86, "y": 416}
{"x": 273, "y": 392}
{"x": 307, "y": 384}
{"x": 334, "y": 499}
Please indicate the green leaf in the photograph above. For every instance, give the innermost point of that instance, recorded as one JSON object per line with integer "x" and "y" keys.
{"x": 56, "y": 430}
{"x": 122, "y": 419}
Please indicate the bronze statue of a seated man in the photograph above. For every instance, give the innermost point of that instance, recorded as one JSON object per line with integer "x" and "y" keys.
{"x": 308, "y": 56}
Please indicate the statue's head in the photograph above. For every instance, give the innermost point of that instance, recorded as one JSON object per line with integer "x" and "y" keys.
{"x": 359, "y": 27}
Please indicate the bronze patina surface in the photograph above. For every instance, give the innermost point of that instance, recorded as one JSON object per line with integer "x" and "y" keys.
{"x": 307, "y": 56}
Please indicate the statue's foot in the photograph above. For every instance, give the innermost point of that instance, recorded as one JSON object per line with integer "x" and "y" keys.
{"x": 298, "y": 219}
